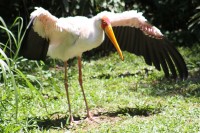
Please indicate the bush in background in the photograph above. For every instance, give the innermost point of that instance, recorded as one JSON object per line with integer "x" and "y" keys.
{"x": 170, "y": 15}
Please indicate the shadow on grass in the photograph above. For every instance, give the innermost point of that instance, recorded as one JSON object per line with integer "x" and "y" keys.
{"x": 59, "y": 121}
{"x": 53, "y": 121}
{"x": 143, "y": 73}
{"x": 187, "y": 88}
{"x": 170, "y": 87}
{"x": 138, "y": 111}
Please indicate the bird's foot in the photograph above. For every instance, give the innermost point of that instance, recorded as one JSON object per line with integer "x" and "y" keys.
{"x": 71, "y": 120}
{"x": 91, "y": 118}
{"x": 72, "y": 123}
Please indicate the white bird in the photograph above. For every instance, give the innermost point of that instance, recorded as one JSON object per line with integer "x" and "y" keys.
{"x": 65, "y": 38}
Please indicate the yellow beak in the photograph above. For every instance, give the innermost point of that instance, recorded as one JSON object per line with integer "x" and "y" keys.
{"x": 109, "y": 32}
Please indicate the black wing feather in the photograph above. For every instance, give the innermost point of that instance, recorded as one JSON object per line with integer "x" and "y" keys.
{"x": 159, "y": 52}
{"x": 164, "y": 65}
{"x": 169, "y": 61}
{"x": 33, "y": 46}
{"x": 153, "y": 50}
{"x": 147, "y": 55}
{"x": 178, "y": 60}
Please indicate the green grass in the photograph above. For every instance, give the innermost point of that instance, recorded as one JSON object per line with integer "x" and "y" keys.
{"x": 121, "y": 95}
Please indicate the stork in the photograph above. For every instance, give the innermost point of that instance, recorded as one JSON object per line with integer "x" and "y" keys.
{"x": 72, "y": 36}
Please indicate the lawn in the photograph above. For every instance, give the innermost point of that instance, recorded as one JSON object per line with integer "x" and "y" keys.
{"x": 124, "y": 96}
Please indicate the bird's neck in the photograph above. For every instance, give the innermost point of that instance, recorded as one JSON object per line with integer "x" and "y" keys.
{"x": 97, "y": 35}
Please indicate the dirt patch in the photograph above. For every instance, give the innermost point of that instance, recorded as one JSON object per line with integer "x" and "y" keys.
{"x": 86, "y": 124}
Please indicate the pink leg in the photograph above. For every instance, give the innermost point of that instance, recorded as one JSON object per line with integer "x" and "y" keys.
{"x": 81, "y": 85}
{"x": 67, "y": 93}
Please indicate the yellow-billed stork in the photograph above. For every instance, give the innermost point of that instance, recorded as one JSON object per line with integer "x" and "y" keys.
{"x": 70, "y": 37}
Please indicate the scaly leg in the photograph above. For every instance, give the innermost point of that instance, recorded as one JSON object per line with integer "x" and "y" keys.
{"x": 81, "y": 85}
{"x": 67, "y": 93}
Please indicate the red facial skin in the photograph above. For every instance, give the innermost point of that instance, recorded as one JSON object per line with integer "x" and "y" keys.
{"x": 105, "y": 22}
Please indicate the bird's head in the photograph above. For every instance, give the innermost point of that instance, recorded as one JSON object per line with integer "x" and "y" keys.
{"x": 106, "y": 26}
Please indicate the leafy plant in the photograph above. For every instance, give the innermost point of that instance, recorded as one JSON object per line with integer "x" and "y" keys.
{"x": 194, "y": 22}
{"x": 6, "y": 64}
{"x": 10, "y": 71}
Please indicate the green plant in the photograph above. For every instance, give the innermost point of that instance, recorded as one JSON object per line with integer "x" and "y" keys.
{"x": 10, "y": 71}
{"x": 7, "y": 64}
{"x": 194, "y": 22}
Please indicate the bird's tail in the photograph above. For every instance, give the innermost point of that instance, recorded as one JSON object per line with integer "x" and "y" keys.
{"x": 39, "y": 11}
{"x": 42, "y": 20}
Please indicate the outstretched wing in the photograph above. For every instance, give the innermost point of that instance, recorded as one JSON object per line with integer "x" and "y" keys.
{"x": 137, "y": 36}
{"x": 44, "y": 31}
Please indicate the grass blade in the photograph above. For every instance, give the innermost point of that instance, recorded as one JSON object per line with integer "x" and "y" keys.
{"x": 33, "y": 89}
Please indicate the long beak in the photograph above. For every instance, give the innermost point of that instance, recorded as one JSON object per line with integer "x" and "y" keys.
{"x": 111, "y": 36}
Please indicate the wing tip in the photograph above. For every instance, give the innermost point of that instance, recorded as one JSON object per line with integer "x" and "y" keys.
{"x": 151, "y": 30}
{"x": 38, "y": 11}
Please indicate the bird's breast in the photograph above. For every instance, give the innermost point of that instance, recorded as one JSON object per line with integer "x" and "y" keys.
{"x": 73, "y": 45}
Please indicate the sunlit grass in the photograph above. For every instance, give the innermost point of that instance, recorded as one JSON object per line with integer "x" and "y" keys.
{"x": 121, "y": 94}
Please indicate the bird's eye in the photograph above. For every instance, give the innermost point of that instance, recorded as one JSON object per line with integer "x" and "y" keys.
{"x": 104, "y": 23}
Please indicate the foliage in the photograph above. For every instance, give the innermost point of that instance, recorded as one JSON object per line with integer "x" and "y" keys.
{"x": 7, "y": 66}
{"x": 10, "y": 73}
{"x": 171, "y": 16}
{"x": 194, "y": 22}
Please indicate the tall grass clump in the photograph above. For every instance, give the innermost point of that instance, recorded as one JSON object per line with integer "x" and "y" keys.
{"x": 6, "y": 63}
{"x": 11, "y": 77}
